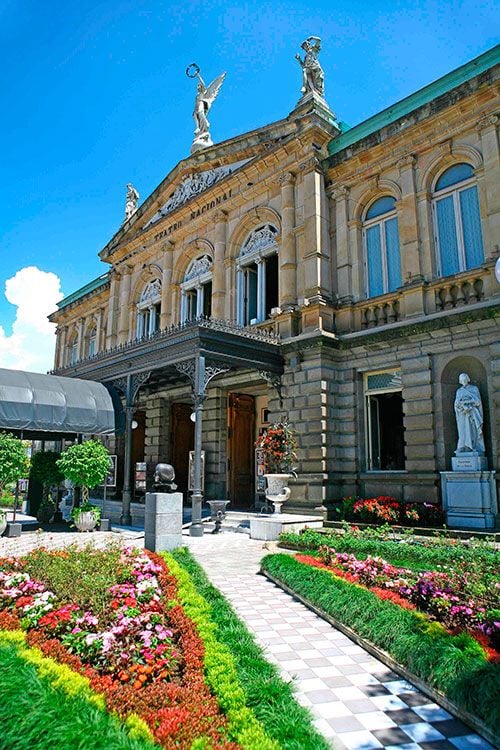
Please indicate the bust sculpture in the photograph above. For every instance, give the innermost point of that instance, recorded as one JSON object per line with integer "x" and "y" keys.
{"x": 164, "y": 478}
{"x": 469, "y": 416}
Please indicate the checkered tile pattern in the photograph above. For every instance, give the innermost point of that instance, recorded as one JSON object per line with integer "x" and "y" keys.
{"x": 355, "y": 699}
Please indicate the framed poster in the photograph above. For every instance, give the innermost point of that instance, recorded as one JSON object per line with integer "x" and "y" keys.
{"x": 110, "y": 478}
{"x": 140, "y": 476}
{"x": 191, "y": 472}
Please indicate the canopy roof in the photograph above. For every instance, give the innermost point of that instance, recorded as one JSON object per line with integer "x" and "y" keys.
{"x": 31, "y": 402}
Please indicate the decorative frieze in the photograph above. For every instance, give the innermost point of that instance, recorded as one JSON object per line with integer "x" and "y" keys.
{"x": 487, "y": 121}
{"x": 260, "y": 240}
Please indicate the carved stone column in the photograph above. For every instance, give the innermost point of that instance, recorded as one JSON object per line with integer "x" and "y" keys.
{"x": 166, "y": 281}
{"x": 288, "y": 254}
{"x": 81, "y": 338}
{"x": 112, "y": 308}
{"x": 408, "y": 229}
{"x": 62, "y": 347}
{"x": 218, "y": 281}
{"x": 98, "y": 330}
{"x": 230, "y": 300}
{"x": 487, "y": 127}
{"x": 124, "y": 303}
{"x": 344, "y": 263}
{"x": 316, "y": 256}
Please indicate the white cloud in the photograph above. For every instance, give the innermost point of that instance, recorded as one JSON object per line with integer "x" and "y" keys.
{"x": 32, "y": 342}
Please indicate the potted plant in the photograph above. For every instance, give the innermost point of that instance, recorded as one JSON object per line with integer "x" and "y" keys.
{"x": 278, "y": 444}
{"x": 14, "y": 464}
{"x": 85, "y": 464}
{"x": 86, "y": 516}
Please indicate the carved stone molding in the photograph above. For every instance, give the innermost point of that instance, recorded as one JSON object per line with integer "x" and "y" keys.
{"x": 259, "y": 240}
{"x": 198, "y": 267}
{"x": 406, "y": 161}
{"x": 152, "y": 291}
{"x": 445, "y": 147}
{"x": 487, "y": 121}
{"x": 220, "y": 215}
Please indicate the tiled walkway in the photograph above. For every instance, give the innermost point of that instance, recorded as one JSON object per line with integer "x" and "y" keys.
{"x": 357, "y": 702}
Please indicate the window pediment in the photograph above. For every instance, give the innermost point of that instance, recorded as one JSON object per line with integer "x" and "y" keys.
{"x": 151, "y": 292}
{"x": 198, "y": 267}
{"x": 260, "y": 241}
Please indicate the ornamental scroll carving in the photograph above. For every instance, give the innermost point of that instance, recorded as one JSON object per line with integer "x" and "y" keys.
{"x": 152, "y": 291}
{"x": 193, "y": 185}
{"x": 259, "y": 240}
{"x": 198, "y": 267}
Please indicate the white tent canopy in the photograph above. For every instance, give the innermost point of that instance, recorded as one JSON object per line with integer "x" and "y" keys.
{"x": 32, "y": 402}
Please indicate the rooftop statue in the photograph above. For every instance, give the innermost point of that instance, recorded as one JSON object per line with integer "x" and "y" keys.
{"x": 131, "y": 201}
{"x": 205, "y": 97}
{"x": 313, "y": 78}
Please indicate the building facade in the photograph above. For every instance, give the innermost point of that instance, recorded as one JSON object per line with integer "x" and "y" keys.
{"x": 340, "y": 277}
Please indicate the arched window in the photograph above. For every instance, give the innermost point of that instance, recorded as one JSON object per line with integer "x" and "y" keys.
{"x": 196, "y": 290}
{"x": 257, "y": 275}
{"x": 148, "y": 309}
{"x": 381, "y": 236}
{"x": 73, "y": 349}
{"x": 457, "y": 220}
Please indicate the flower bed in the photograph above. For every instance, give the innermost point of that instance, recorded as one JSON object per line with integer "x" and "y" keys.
{"x": 386, "y": 509}
{"x": 455, "y": 664}
{"x": 132, "y": 626}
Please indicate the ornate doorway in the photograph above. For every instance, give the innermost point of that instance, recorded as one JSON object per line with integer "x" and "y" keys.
{"x": 182, "y": 441}
{"x": 241, "y": 429}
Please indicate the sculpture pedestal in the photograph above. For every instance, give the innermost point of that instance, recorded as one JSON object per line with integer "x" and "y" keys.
{"x": 469, "y": 498}
{"x": 471, "y": 461}
{"x": 163, "y": 521}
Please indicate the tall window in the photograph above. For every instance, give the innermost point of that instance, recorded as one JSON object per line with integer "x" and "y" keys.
{"x": 384, "y": 420}
{"x": 148, "y": 309}
{"x": 457, "y": 220}
{"x": 73, "y": 350}
{"x": 196, "y": 290}
{"x": 257, "y": 279}
{"x": 383, "y": 263}
{"x": 91, "y": 342}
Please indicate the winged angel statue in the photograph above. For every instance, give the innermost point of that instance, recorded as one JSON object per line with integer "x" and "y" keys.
{"x": 205, "y": 97}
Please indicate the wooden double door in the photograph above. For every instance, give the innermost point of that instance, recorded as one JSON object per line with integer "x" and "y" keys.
{"x": 240, "y": 449}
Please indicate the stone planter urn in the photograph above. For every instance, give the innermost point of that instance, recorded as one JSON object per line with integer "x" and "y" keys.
{"x": 85, "y": 521}
{"x": 277, "y": 491}
{"x": 3, "y": 523}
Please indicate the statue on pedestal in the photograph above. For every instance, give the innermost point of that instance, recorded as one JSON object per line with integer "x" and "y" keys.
{"x": 469, "y": 416}
{"x": 205, "y": 97}
{"x": 313, "y": 78}
{"x": 131, "y": 201}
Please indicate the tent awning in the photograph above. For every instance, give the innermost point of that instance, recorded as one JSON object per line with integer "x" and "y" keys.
{"x": 33, "y": 402}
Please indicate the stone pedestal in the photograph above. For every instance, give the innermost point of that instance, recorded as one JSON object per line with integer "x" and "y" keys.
{"x": 163, "y": 521}
{"x": 268, "y": 528}
{"x": 469, "y": 498}
{"x": 469, "y": 462}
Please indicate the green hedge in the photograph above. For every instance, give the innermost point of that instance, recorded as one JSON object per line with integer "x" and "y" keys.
{"x": 270, "y": 698}
{"x": 456, "y": 665}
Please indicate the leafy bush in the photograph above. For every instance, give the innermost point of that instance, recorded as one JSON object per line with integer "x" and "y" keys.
{"x": 85, "y": 464}
{"x": 45, "y": 470}
{"x": 14, "y": 461}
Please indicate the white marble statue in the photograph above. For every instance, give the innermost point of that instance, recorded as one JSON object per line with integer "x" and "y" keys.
{"x": 205, "y": 97}
{"x": 131, "y": 201}
{"x": 313, "y": 78}
{"x": 469, "y": 416}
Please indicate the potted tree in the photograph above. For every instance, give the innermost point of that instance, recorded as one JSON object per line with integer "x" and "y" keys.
{"x": 14, "y": 464}
{"x": 44, "y": 468}
{"x": 278, "y": 444}
{"x": 85, "y": 464}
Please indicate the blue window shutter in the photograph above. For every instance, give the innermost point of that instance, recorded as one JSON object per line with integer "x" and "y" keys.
{"x": 374, "y": 261}
{"x": 471, "y": 225}
{"x": 447, "y": 233}
{"x": 393, "y": 254}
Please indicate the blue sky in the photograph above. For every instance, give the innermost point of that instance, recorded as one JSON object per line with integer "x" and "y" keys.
{"x": 95, "y": 95}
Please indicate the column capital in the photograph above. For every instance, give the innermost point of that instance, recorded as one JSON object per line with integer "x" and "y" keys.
{"x": 487, "y": 121}
{"x": 167, "y": 245}
{"x": 220, "y": 215}
{"x": 338, "y": 192}
{"x": 286, "y": 178}
{"x": 406, "y": 161}
{"x": 311, "y": 164}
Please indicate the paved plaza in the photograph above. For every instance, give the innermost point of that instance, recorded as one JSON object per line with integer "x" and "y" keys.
{"x": 357, "y": 702}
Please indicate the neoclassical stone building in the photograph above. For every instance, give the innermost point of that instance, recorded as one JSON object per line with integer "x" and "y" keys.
{"x": 342, "y": 277}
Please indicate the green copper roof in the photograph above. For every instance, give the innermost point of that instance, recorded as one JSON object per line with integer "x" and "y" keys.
{"x": 418, "y": 99}
{"x": 87, "y": 289}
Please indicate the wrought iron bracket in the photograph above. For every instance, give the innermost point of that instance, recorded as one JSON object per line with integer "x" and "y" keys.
{"x": 275, "y": 381}
{"x": 130, "y": 385}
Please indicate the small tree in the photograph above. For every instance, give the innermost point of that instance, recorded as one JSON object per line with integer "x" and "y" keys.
{"x": 14, "y": 461}
{"x": 85, "y": 464}
{"x": 44, "y": 468}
